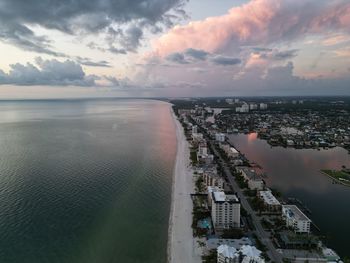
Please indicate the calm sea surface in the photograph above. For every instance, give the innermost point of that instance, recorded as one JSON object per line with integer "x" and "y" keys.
{"x": 85, "y": 180}
{"x": 296, "y": 174}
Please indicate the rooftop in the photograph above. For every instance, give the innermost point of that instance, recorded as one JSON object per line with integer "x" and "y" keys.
{"x": 233, "y": 150}
{"x": 213, "y": 243}
{"x": 247, "y": 251}
{"x": 227, "y": 251}
{"x": 212, "y": 189}
{"x": 250, "y": 173}
{"x": 220, "y": 196}
{"x": 293, "y": 211}
{"x": 269, "y": 198}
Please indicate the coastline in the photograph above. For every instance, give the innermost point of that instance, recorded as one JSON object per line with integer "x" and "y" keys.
{"x": 181, "y": 244}
{"x": 335, "y": 179}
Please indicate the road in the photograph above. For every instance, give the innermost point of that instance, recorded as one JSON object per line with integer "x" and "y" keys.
{"x": 263, "y": 235}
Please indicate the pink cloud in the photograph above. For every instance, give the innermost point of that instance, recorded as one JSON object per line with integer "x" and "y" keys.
{"x": 259, "y": 22}
{"x": 335, "y": 40}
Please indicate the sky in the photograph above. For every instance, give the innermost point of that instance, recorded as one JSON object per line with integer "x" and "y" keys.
{"x": 174, "y": 48}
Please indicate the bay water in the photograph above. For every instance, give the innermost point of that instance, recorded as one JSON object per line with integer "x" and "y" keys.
{"x": 296, "y": 174}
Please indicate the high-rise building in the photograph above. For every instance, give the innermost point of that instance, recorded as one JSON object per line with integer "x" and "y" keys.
{"x": 225, "y": 210}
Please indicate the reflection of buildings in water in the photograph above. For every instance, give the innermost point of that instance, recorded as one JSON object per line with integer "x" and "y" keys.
{"x": 252, "y": 137}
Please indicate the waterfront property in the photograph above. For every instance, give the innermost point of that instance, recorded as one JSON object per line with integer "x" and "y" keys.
{"x": 296, "y": 219}
{"x": 225, "y": 210}
{"x": 270, "y": 201}
{"x": 254, "y": 180}
{"x": 230, "y": 151}
{"x": 220, "y": 137}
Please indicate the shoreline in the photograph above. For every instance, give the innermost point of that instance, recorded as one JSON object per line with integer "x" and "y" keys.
{"x": 181, "y": 243}
{"x": 335, "y": 179}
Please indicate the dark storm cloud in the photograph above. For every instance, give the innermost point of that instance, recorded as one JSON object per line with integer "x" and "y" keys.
{"x": 90, "y": 63}
{"x": 191, "y": 55}
{"x": 131, "y": 38}
{"x": 47, "y": 72}
{"x": 287, "y": 54}
{"x": 225, "y": 61}
{"x": 261, "y": 49}
{"x": 197, "y": 53}
{"x": 177, "y": 57}
{"x": 80, "y": 17}
{"x": 23, "y": 37}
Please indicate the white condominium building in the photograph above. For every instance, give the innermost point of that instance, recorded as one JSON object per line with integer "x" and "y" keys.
{"x": 270, "y": 201}
{"x": 296, "y": 219}
{"x": 225, "y": 210}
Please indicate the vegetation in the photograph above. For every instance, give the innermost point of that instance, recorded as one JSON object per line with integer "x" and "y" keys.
{"x": 200, "y": 187}
{"x": 266, "y": 224}
{"x": 339, "y": 176}
{"x": 243, "y": 211}
{"x": 279, "y": 223}
{"x": 257, "y": 204}
{"x": 232, "y": 233}
{"x": 276, "y": 193}
{"x": 241, "y": 181}
{"x": 259, "y": 244}
{"x": 193, "y": 157}
{"x": 200, "y": 212}
{"x": 251, "y": 193}
{"x": 211, "y": 257}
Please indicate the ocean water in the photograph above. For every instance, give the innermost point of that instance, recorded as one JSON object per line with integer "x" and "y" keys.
{"x": 85, "y": 180}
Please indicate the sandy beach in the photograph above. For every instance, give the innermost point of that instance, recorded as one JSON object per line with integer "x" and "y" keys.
{"x": 181, "y": 245}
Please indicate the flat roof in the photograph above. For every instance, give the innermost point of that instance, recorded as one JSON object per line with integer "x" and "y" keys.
{"x": 269, "y": 198}
{"x": 219, "y": 196}
{"x": 250, "y": 173}
{"x": 233, "y": 150}
{"x": 213, "y": 243}
{"x": 294, "y": 212}
{"x": 212, "y": 189}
